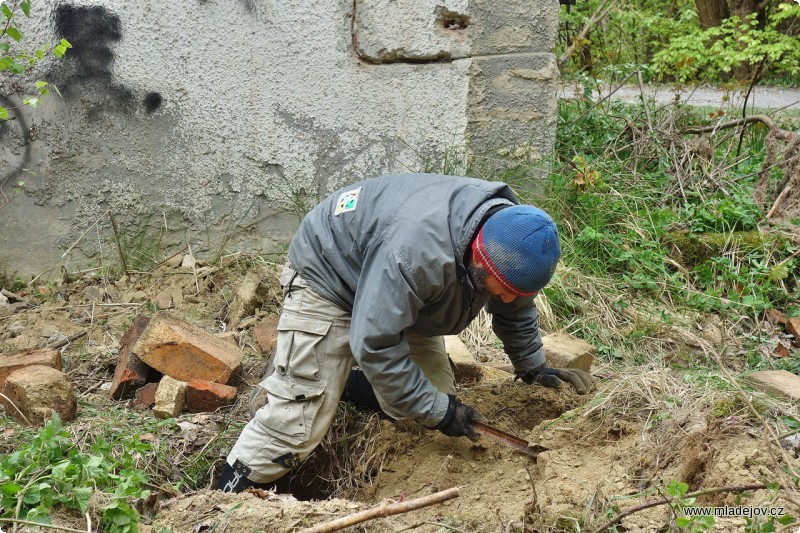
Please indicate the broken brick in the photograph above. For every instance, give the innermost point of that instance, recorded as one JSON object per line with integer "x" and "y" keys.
{"x": 44, "y": 357}
{"x": 170, "y": 398}
{"x": 206, "y": 396}
{"x": 131, "y": 372}
{"x": 185, "y": 352}
{"x": 793, "y": 328}
{"x": 146, "y": 395}
{"x": 266, "y": 334}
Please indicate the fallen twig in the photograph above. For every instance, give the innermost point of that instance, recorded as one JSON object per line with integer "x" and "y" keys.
{"x": 656, "y": 503}
{"x": 383, "y": 510}
{"x": 64, "y": 342}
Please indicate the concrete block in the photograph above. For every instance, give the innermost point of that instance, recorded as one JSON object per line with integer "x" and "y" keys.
{"x": 206, "y": 396}
{"x": 777, "y": 383}
{"x": 170, "y": 398}
{"x": 130, "y": 372}
{"x": 185, "y": 352}
{"x": 511, "y": 106}
{"x": 419, "y": 30}
{"x": 42, "y": 357}
{"x": 146, "y": 395}
{"x": 266, "y": 334}
{"x": 564, "y": 351}
{"x": 35, "y": 391}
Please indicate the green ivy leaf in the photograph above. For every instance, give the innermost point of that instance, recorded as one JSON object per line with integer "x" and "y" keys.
{"x": 786, "y": 519}
{"x": 7, "y": 12}
{"x": 17, "y": 68}
{"x": 25, "y": 5}
{"x": 682, "y": 521}
{"x": 5, "y": 47}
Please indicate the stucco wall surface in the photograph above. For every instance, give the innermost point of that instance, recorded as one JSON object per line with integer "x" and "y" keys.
{"x": 218, "y": 123}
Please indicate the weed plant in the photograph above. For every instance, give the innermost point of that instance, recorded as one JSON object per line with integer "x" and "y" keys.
{"x": 52, "y": 470}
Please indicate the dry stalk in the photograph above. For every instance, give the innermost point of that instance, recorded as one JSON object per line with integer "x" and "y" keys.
{"x": 25, "y": 418}
{"x": 16, "y": 521}
{"x": 664, "y": 501}
{"x": 383, "y": 510}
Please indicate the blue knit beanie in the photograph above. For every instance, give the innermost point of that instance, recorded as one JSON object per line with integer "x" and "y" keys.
{"x": 519, "y": 247}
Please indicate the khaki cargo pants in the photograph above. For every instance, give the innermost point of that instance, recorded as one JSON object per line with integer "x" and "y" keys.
{"x": 312, "y": 362}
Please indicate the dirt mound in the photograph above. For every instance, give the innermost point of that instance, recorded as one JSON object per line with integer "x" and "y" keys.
{"x": 495, "y": 479}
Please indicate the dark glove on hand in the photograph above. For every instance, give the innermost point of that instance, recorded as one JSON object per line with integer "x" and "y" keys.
{"x": 457, "y": 421}
{"x": 552, "y": 377}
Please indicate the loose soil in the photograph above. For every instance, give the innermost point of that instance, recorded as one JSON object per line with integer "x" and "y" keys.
{"x": 594, "y": 462}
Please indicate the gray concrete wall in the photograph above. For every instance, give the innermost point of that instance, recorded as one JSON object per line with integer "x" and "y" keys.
{"x": 217, "y": 123}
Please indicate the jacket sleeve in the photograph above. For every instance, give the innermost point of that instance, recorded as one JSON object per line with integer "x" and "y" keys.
{"x": 385, "y": 305}
{"x": 517, "y": 325}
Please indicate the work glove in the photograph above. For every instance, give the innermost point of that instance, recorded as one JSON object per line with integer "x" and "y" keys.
{"x": 458, "y": 420}
{"x": 552, "y": 377}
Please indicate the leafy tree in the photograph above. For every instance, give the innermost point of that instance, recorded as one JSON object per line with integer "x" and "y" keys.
{"x": 14, "y": 59}
{"x": 683, "y": 40}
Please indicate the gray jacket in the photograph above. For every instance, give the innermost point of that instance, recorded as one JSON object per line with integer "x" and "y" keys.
{"x": 391, "y": 251}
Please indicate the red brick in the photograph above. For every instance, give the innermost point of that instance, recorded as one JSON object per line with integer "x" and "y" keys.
{"x": 186, "y": 352}
{"x": 205, "y": 396}
{"x": 146, "y": 396}
{"x": 266, "y": 334}
{"x": 131, "y": 372}
{"x": 44, "y": 357}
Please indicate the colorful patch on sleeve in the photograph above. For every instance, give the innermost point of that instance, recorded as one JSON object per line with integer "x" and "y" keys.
{"x": 347, "y": 201}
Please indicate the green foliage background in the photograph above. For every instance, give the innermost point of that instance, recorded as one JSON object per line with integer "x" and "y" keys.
{"x": 665, "y": 42}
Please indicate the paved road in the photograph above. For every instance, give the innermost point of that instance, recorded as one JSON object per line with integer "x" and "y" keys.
{"x": 769, "y": 98}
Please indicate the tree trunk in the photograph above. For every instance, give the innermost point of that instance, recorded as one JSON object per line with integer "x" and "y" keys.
{"x": 712, "y": 12}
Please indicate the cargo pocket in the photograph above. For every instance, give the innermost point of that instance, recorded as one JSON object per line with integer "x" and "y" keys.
{"x": 293, "y": 407}
{"x": 298, "y": 344}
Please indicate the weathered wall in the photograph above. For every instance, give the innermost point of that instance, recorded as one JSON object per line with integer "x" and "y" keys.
{"x": 222, "y": 120}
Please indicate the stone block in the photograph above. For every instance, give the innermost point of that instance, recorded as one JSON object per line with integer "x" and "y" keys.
{"x": 207, "y": 396}
{"x": 185, "y": 352}
{"x": 42, "y": 357}
{"x": 130, "y": 372}
{"x": 777, "y": 383}
{"x": 35, "y": 391}
{"x": 563, "y": 351}
{"x": 170, "y": 398}
{"x": 467, "y": 368}
{"x": 250, "y": 294}
{"x": 146, "y": 395}
{"x": 266, "y": 334}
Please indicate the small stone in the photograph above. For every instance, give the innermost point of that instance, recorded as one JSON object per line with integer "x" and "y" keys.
{"x": 188, "y": 262}
{"x": 170, "y": 398}
{"x": 777, "y": 383}
{"x": 16, "y": 328}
